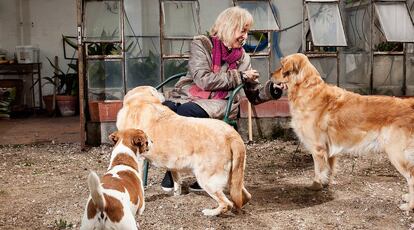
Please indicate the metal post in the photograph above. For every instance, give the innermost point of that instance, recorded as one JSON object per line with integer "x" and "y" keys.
{"x": 161, "y": 40}
{"x": 81, "y": 76}
{"x": 123, "y": 66}
{"x": 404, "y": 86}
{"x": 371, "y": 51}
{"x": 338, "y": 72}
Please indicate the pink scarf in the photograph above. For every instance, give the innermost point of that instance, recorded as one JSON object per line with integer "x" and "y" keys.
{"x": 219, "y": 54}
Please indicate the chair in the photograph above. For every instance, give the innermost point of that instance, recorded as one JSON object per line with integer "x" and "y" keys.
{"x": 225, "y": 119}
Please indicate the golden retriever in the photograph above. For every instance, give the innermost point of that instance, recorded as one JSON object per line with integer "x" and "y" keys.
{"x": 329, "y": 120}
{"x": 209, "y": 148}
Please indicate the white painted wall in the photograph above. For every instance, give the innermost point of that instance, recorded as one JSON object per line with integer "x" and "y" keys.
{"x": 37, "y": 22}
{"x": 9, "y": 25}
{"x": 50, "y": 19}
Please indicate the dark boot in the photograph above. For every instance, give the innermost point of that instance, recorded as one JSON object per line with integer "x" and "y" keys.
{"x": 167, "y": 183}
{"x": 195, "y": 187}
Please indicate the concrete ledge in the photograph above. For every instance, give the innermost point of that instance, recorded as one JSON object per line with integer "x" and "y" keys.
{"x": 98, "y": 132}
{"x": 266, "y": 128}
{"x": 270, "y": 120}
{"x": 263, "y": 128}
{"x": 273, "y": 108}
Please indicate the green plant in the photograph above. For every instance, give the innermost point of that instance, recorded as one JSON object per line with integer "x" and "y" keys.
{"x": 171, "y": 68}
{"x": 66, "y": 83}
{"x": 389, "y": 46}
{"x": 145, "y": 71}
{"x": 105, "y": 73}
{"x": 108, "y": 48}
{"x": 63, "y": 224}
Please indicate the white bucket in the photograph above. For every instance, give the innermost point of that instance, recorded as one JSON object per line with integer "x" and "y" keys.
{"x": 27, "y": 54}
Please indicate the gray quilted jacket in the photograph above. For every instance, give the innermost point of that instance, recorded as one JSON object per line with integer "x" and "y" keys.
{"x": 201, "y": 74}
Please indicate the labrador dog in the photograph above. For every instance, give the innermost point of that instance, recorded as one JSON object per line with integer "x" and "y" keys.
{"x": 209, "y": 148}
{"x": 329, "y": 121}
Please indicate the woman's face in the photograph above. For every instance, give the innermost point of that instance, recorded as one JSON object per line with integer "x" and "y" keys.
{"x": 239, "y": 38}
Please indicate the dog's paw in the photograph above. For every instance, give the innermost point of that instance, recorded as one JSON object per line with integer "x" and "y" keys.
{"x": 141, "y": 210}
{"x": 315, "y": 186}
{"x": 177, "y": 192}
{"x": 212, "y": 212}
{"x": 406, "y": 207}
{"x": 406, "y": 197}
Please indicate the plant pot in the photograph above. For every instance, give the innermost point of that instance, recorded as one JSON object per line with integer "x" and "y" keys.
{"x": 67, "y": 104}
{"x": 104, "y": 111}
{"x": 48, "y": 100}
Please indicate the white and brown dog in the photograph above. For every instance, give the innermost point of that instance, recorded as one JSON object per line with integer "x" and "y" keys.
{"x": 114, "y": 201}
{"x": 209, "y": 148}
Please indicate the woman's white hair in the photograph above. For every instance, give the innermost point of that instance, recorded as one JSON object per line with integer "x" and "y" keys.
{"x": 229, "y": 21}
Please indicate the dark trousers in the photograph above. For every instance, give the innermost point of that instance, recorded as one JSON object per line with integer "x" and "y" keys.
{"x": 188, "y": 109}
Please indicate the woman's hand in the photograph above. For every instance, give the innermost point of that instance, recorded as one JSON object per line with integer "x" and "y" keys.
{"x": 282, "y": 86}
{"x": 250, "y": 76}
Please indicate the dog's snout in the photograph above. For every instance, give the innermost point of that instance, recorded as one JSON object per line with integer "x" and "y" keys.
{"x": 276, "y": 76}
{"x": 149, "y": 144}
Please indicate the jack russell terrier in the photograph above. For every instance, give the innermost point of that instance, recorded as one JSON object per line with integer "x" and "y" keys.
{"x": 114, "y": 200}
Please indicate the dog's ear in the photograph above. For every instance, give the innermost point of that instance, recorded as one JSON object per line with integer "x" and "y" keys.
{"x": 114, "y": 137}
{"x": 290, "y": 65}
{"x": 140, "y": 141}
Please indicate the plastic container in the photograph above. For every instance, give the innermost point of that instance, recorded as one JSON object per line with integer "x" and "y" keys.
{"x": 27, "y": 54}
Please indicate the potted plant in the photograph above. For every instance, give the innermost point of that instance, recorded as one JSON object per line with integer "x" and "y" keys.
{"x": 101, "y": 76}
{"x": 66, "y": 89}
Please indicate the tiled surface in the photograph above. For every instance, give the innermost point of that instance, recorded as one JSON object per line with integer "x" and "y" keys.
{"x": 40, "y": 130}
{"x": 274, "y": 108}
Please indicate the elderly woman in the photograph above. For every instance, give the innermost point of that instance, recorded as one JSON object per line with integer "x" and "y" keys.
{"x": 217, "y": 65}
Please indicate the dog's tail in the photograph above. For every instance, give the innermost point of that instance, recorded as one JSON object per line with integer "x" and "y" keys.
{"x": 95, "y": 189}
{"x": 238, "y": 193}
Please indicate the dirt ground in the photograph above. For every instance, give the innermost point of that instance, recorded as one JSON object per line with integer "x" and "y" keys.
{"x": 44, "y": 187}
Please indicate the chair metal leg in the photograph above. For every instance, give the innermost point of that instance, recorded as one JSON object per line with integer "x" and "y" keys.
{"x": 146, "y": 166}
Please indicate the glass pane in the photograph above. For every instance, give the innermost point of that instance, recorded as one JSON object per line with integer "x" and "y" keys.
{"x": 388, "y": 75}
{"x": 326, "y": 67}
{"x": 141, "y": 18}
{"x": 141, "y": 46}
{"x": 257, "y": 42}
{"x": 357, "y": 28}
{"x": 176, "y": 47}
{"x": 142, "y": 61}
{"x": 355, "y": 72}
{"x": 395, "y": 21}
{"x": 102, "y": 20}
{"x": 209, "y": 12}
{"x": 326, "y": 24}
{"x": 103, "y": 48}
{"x": 262, "y": 14}
{"x": 410, "y": 74}
{"x": 172, "y": 67}
{"x": 143, "y": 71}
{"x": 70, "y": 51}
{"x": 133, "y": 17}
{"x": 411, "y": 8}
{"x": 261, "y": 64}
{"x": 175, "y": 66}
{"x": 180, "y": 18}
{"x": 104, "y": 74}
